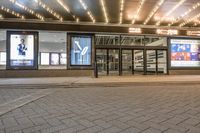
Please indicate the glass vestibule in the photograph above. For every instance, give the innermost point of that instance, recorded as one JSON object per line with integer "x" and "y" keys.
{"x": 133, "y": 54}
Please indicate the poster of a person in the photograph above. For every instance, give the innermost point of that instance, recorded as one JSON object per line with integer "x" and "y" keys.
{"x": 22, "y": 48}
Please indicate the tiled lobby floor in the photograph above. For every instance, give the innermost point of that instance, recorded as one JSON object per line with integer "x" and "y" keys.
{"x": 133, "y": 109}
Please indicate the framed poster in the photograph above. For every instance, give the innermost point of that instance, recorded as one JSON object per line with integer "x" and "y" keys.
{"x": 22, "y": 49}
{"x": 44, "y": 59}
{"x": 55, "y": 59}
{"x": 81, "y": 51}
{"x": 185, "y": 53}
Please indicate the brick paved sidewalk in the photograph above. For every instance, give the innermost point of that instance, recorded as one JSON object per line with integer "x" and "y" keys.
{"x": 109, "y": 80}
{"x": 134, "y": 109}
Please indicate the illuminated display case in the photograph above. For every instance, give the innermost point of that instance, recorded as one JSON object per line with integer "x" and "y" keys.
{"x": 184, "y": 53}
{"x": 22, "y": 49}
{"x": 80, "y": 51}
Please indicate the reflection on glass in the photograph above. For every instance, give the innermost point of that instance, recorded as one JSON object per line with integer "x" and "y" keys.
{"x": 127, "y": 61}
{"x": 45, "y": 59}
{"x": 162, "y": 61}
{"x": 113, "y": 62}
{"x": 54, "y": 59}
{"x": 151, "y": 61}
{"x": 138, "y": 61}
{"x": 63, "y": 59}
{"x": 81, "y": 50}
{"x": 2, "y": 58}
{"x": 101, "y": 58}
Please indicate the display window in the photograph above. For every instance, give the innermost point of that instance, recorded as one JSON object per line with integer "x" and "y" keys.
{"x": 22, "y": 50}
{"x": 45, "y": 59}
{"x": 53, "y": 50}
{"x": 185, "y": 52}
{"x": 55, "y": 59}
{"x": 2, "y": 58}
{"x": 81, "y": 50}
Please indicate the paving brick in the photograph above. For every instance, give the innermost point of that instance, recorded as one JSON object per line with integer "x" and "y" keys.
{"x": 166, "y": 109}
{"x": 9, "y": 122}
{"x": 131, "y": 130}
{"x": 102, "y": 123}
{"x": 111, "y": 130}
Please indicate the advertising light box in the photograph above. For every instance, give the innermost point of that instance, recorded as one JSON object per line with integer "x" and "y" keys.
{"x": 81, "y": 50}
{"x": 185, "y": 53}
{"x": 22, "y": 50}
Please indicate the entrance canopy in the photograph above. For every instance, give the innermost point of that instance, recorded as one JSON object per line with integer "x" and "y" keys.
{"x": 173, "y": 13}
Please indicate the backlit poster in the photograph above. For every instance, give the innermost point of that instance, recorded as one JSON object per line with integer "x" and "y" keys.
{"x": 21, "y": 50}
{"x": 63, "y": 58}
{"x": 54, "y": 59}
{"x": 81, "y": 50}
{"x": 185, "y": 53}
{"x": 45, "y": 59}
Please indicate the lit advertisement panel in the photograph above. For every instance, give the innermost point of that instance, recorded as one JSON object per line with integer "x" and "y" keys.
{"x": 45, "y": 59}
{"x": 81, "y": 50}
{"x": 185, "y": 53}
{"x": 54, "y": 59}
{"x": 22, "y": 50}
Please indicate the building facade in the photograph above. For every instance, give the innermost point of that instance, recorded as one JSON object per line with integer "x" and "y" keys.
{"x": 36, "y": 52}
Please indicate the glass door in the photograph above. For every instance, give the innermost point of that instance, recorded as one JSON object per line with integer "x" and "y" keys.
{"x": 127, "y": 62}
{"x": 101, "y": 58}
{"x": 151, "y": 62}
{"x": 156, "y": 62}
{"x": 113, "y": 62}
{"x": 162, "y": 61}
{"x": 138, "y": 62}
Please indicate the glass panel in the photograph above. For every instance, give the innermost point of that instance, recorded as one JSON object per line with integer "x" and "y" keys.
{"x": 138, "y": 61}
{"x": 52, "y": 44}
{"x": 113, "y": 62}
{"x": 127, "y": 62}
{"x": 3, "y": 49}
{"x": 107, "y": 39}
{"x": 162, "y": 62}
{"x": 101, "y": 57}
{"x": 155, "y": 41}
{"x": 81, "y": 50}
{"x": 132, "y": 40}
{"x": 151, "y": 61}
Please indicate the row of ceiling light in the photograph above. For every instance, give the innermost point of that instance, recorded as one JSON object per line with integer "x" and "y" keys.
{"x": 103, "y": 5}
